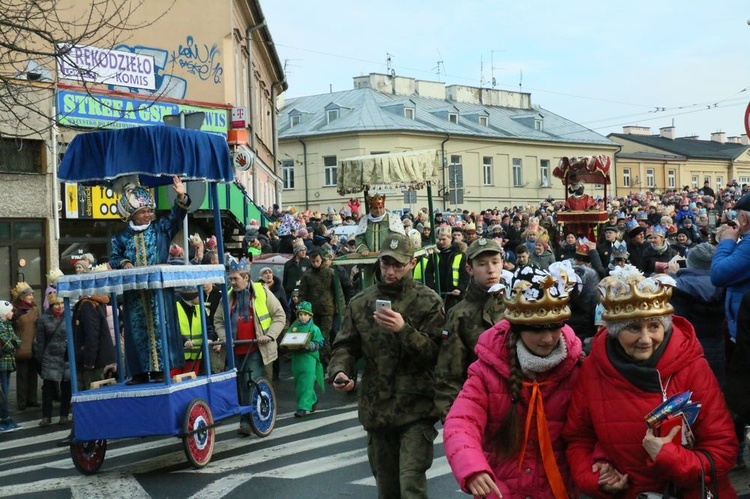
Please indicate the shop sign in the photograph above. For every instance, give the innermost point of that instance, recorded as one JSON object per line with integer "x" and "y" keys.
{"x": 109, "y": 67}
{"x": 83, "y": 202}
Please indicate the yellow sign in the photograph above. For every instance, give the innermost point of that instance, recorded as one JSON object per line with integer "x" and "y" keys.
{"x": 97, "y": 202}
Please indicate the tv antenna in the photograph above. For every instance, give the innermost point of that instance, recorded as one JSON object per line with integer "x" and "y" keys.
{"x": 440, "y": 65}
{"x": 493, "y": 68}
{"x": 389, "y": 69}
{"x": 520, "y": 80}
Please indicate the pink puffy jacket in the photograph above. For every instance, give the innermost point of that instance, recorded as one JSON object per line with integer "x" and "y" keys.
{"x": 475, "y": 416}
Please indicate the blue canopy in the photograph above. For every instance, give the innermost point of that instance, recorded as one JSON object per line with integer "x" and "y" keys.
{"x": 154, "y": 153}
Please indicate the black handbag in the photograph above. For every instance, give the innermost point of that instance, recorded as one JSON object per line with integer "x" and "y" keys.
{"x": 711, "y": 492}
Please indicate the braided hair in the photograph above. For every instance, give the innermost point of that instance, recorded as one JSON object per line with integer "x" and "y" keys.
{"x": 507, "y": 440}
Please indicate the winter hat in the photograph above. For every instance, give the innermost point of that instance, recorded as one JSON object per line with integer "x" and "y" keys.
{"x": 264, "y": 269}
{"x": 5, "y": 308}
{"x": 700, "y": 256}
{"x": 304, "y": 306}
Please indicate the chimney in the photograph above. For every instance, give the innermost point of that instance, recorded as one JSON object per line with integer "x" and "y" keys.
{"x": 692, "y": 137}
{"x": 719, "y": 137}
{"x": 668, "y": 132}
{"x": 743, "y": 140}
{"x": 636, "y": 130}
{"x": 734, "y": 140}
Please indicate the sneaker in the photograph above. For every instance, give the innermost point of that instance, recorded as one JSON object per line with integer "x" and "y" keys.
{"x": 245, "y": 431}
{"x": 45, "y": 422}
{"x": 11, "y": 425}
{"x": 300, "y": 413}
{"x": 64, "y": 420}
{"x": 4, "y": 428}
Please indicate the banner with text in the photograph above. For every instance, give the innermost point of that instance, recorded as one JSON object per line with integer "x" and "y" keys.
{"x": 80, "y": 109}
{"x": 111, "y": 67}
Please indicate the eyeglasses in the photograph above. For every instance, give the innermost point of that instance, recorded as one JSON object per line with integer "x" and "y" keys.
{"x": 392, "y": 264}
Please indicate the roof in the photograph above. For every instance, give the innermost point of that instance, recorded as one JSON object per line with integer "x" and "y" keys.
{"x": 689, "y": 148}
{"x": 370, "y": 110}
{"x": 648, "y": 155}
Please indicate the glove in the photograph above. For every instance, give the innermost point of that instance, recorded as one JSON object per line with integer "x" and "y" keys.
{"x": 312, "y": 346}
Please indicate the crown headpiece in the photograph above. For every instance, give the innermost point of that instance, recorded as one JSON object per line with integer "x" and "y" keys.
{"x": 537, "y": 297}
{"x": 620, "y": 250}
{"x": 582, "y": 246}
{"x": 626, "y": 294}
{"x": 102, "y": 267}
{"x": 21, "y": 290}
{"x": 240, "y": 265}
{"x": 658, "y": 230}
{"x": 376, "y": 200}
{"x": 134, "y": 198}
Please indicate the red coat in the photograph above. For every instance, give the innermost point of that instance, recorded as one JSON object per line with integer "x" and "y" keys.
{"x": 481, "y": 405}
{"x": 607, "y": 411}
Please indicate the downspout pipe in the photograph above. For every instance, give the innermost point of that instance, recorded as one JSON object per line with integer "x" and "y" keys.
{"x": 251, "y": 107}
{"x": 304, "y": 160}
{"x": 274, "y": 119}
{"x": 445, "y": 187}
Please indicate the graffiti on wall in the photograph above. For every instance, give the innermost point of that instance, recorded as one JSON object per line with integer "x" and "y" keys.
{"x": 199, "y": 59}
{"x": 167, "y": 85}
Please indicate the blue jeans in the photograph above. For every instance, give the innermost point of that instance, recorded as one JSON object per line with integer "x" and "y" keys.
{"x": 5, "y": 387}
{"x": 253, "y": 368}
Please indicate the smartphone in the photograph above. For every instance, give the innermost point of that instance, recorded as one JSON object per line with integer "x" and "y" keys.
{"x": 381, "y": 304}
{"x": 682, "y": 263}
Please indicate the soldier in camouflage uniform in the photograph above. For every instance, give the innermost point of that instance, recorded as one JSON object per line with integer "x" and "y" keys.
{"x": 320, "y": 287}
{"x": 475, "y": 314}
{"x": 400, "y": 347}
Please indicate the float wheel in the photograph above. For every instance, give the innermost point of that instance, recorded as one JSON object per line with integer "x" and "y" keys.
{"x": 199, "y": 435}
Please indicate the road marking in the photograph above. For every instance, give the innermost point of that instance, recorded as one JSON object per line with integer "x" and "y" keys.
{"x": 176, "y": 458}
{"x": 316, "y": 466}
{"x": 440, "y": 467}
{"x": 222, "y": 487}
{"x": 102, "y": 486}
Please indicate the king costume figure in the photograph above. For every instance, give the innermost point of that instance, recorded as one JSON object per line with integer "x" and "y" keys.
{"x": 306, "y": 366}
{"x": 376, "y": 226}
{"x": 144, "y": 242}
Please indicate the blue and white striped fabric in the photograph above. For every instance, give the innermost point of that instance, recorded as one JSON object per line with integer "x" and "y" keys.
{"x": 152, "y": 277}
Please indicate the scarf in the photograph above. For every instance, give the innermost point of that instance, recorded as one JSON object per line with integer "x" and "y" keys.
{"x": 56, "y": 313}
{"x": 370, "y": 218}
{"x": 642, "y": 374}
{"x": 532, "y": 364}
{"x": 661, "y": 249}
{"x": 241, "y": 306}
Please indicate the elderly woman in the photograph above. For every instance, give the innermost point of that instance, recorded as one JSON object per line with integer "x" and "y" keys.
{"x": 642, "y": 357}
{"x": 502, "y": 434}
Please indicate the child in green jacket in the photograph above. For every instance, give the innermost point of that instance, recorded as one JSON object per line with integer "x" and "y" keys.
{"x": 306, "y": 366}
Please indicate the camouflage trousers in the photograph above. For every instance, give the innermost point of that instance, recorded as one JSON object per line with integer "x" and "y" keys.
{"x": 399, "y": 459}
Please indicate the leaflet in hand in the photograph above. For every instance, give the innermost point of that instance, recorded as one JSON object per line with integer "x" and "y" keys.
{"x": 677, "y": 411}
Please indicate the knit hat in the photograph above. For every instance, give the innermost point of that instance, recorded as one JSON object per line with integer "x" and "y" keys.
{"x": 304, "y": 306}
{"x": 264, "y": 269}
{"x": 700, "y": 256}
{"x": 5, "y": 308}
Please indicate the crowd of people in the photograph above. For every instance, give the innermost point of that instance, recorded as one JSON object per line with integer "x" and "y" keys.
{"x": 541, "y": 347}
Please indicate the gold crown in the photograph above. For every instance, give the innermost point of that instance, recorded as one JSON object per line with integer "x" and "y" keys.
{"x": 627, "y": 295}
{"x": 21, "y": 289}
{"x": 376, "y": 200}
{"x": 540, "y": 302}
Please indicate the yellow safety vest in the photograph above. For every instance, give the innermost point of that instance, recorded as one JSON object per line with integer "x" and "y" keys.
{"x": 193, "y": 331}
{"x": 456, "y": 267}
{"x": 260, "y": 305}
{"x": 419, "y": 269}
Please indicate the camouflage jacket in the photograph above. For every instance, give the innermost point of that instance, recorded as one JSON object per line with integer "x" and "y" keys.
{"x": 321, "y": 289}
{"x": 476, "y": 313}
{"x": 397, "y": 386}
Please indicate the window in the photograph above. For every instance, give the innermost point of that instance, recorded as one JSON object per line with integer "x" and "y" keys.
{"x": 484, "y": 121}
{"x": 21, "y": 156}
{"x": 544, "y": 173}
{"x": 719, "y": 183}
{"x": 453, "y": 117}
{"x": 650, "y": 178}
{"x": 671, "y": 182}
{"x": 329, "y": 163}
{"x": 287, "y": 169}
{"x": 456, "y": 181}
{"x": 332, "y": 115}
{"x": 410, "y": 197}
{"x": 517, "y": 172}
{"x": 409, "y": 113}
{"x": 626, "y": 177}
{"x": 694, "y": 180}
{"x": 294, "y": 120}
{"x": 538, "y": 125}
{"x": 487, "y": 170}
{"x": 707, "y": 179}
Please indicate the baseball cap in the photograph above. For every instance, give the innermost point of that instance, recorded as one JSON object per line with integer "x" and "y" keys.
{"x": 483, "y": 245}
{"x": 398, "y": 247}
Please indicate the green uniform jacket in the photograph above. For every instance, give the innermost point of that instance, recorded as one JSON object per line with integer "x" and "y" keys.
{"x": 398, "y": 383}
{"x": 475, "y": 314}
{"x": 321, "y": 289}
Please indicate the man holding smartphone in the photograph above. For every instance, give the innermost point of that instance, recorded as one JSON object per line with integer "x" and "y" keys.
{"x": 399, "y": 344}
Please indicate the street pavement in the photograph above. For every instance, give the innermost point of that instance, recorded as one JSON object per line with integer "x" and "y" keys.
{"x": 320, "y": 456}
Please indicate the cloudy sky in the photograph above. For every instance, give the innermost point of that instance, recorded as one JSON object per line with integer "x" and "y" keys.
{"x": 600, "y": 63}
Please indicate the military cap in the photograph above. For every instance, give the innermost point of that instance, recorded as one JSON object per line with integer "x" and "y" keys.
{"x": 483, "y": 245}
{"x": 398, "y": 247}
